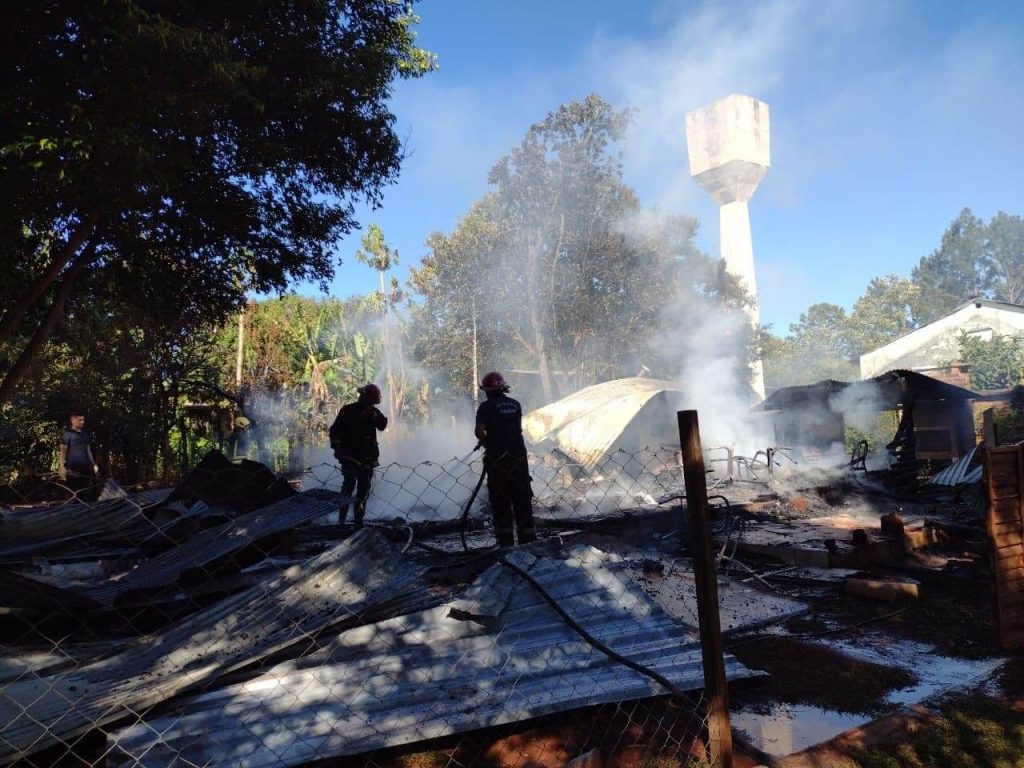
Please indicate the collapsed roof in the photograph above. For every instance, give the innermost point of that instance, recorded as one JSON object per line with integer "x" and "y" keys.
{"x": 587, "y": 424}
{"x": 892, "y": 390}
{"x": 497, "y": 654}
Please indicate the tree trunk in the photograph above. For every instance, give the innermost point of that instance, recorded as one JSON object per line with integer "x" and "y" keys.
{"x": 537, "y": 326}
{"x": 35, "y": 292}
{"x": 30, "y": 353}
{"x": 474, "y": 388}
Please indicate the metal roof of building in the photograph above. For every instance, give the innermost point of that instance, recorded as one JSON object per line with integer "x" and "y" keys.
{"x": 499, "y": 654}
{"x": 586, "y": 424}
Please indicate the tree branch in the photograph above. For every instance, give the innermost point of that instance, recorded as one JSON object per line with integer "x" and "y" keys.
{"x": 35, "y": 292}
{"x": 35, "y": 345}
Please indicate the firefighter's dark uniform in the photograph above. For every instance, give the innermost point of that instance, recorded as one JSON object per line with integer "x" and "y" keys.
{"x": 508, "y": 473}
{"x": 354, "y": 442}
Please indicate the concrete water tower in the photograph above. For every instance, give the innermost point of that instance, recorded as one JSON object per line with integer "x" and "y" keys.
{"x": 728, "y": 147}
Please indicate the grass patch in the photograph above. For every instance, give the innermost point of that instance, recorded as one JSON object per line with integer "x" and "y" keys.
{"x": 970, "y": 731}
{"x": 807, "y": 673}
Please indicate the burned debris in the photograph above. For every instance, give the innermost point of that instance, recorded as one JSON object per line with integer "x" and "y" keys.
{"x": 233, "y": 620}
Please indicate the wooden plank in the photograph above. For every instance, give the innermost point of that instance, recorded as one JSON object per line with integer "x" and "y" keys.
{"x": 1011, "y": 617}
{"x": 1009, "y": 557}
{"x": 1009, "y": 576}
{"x": 1005, "y": 536}
{"x": 1005, "y": 512}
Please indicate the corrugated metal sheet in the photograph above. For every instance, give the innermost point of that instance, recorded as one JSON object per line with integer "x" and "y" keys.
{"x": 509, "y": 658}
{"x": 23, "y": 531}
{"x": 338, "y": 585}
{"x": 36, "y": 596}
{"x": 211, "y": 544}
{"x": 960, "y": 471}
{"x": 586, "y": 424}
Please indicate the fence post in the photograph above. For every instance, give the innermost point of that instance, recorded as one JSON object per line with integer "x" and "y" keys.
{"x": 706, "y": 578}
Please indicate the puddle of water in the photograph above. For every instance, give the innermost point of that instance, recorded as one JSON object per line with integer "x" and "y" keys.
{"x": 933, "y": 673}
{"x": 787, "y": 728}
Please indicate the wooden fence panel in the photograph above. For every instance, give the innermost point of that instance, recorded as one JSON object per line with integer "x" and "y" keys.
{"x": 1004, "y": 477}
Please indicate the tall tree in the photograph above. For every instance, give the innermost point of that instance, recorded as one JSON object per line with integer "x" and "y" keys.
{"x": 558, "y": 194}
{"x": 823, "y": 329}
{"x": 198, "y": 149}
{"x": 974, "y": 260}
{"x": 378, "y": 255}
{"x": 890, "y": 307}
{"x": 557, "y": 268}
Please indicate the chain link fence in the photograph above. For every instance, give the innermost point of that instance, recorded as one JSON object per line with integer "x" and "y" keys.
{"x": 232, "y": 620}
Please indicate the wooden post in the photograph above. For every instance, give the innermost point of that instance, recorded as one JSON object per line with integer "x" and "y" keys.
{"x": 706, "y": 577}
{"x": 988, "y": 428}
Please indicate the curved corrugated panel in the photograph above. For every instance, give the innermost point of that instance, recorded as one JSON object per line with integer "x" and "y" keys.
{"x": 586, "y": 424}
{"x": 437, "y": 673}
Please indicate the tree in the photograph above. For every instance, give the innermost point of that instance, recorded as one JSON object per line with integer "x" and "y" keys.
{"x": 184, "y": 153}
{"x": 453, "y": 324}
{"x": 973, "y": 260}
{"x": 995, "y": 364}
{"x": 557, "y": 268}
{"x": 377, "y": 254}
{"x": 823, "y": 329}
{"x": 889, "y": 308}
{"x": 1005, "y": 240}
{"x": 557, "y": 194}
{"x": 818, "y": 347}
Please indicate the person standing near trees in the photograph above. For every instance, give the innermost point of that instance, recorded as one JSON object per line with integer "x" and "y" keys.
{"x": 353, "y": 438}
{"x": 499, "y": 427}
{"x": 76, "y": 465}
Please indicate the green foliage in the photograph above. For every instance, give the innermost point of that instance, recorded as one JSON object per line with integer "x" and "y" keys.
{"x": 818, "y": 347}
{"x": 181, "y": 154}
{"x": 556, "y": 268}
{"x": 888, "y": 310}
{"x": 974, "y": 260}
{"x": 995, "y": 364}
{"x": 375, "y": 252}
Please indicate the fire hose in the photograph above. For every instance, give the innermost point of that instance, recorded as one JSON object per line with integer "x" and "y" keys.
{"x": 738, "y": 738}
{"x": 472, "y": 498}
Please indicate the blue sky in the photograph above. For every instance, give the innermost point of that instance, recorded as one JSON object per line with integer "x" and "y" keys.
{"x": 887, "y": 118}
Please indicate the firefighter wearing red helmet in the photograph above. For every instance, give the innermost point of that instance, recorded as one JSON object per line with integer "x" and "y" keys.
{"x": 499, "y": 427}
{"x": 354, "y": 442}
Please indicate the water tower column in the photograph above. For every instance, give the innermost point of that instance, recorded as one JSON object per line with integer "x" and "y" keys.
{"x": 728, "y": 147}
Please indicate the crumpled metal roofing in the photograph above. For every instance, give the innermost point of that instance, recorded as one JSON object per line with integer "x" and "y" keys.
{"x": 213, "y": 543}
{"x": 586, "y": 424}
{"x": 41, "y": 528}
{"x": 338, "y": 586}
{"x": 499, "y": 654}
{"x": 960, "y": 471}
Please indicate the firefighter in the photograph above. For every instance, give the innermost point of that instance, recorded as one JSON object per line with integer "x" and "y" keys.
{"x": 354, "y": 442}
{"x": 499, "y": 428}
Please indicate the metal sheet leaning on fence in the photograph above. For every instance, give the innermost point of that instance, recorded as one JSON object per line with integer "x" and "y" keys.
{"x": 353, "y": 438}
{"x": 499, "y": 427}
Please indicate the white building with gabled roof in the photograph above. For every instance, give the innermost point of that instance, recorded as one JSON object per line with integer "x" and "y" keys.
{"x": 936, "y": 346}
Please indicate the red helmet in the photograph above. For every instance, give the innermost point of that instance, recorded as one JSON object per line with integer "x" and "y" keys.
{"x": 371, "y": 393}
{"x": 493, "y": 382}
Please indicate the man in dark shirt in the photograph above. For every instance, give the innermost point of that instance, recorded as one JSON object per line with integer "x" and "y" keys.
{"x": 499, "y": 426}
{"x": 354, "y": 442}
{"x": 75, "y": 465}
